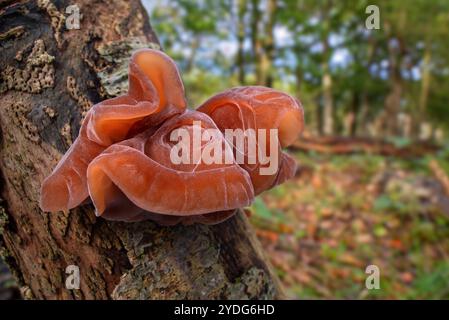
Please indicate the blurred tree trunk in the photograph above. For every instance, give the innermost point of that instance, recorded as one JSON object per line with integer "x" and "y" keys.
{"x": 263, "y": 45}
{"x": 299, "y": 74}
{"x": 266, "y": 77}
{"x": 256, "y": 42}
{"x": 326, "y": 77}
{"x": 241, "y": 8}
{"x": 361, "y": 117}
{"x": 50, "y": 77}
{"x": 393, "y": 99}
{"x": 194, "y": 48}
{"x": 420, "y": 116}
{"x": 328, "y": 102}
{"x": 396, "y": 52}
{"x": 362, "y": 127}
{"x": 353, "y": 114}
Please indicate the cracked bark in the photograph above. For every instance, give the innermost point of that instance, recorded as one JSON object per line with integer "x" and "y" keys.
{"x": 49, "y": 77}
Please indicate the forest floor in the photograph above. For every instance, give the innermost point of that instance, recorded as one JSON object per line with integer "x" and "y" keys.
{"x": 342, "y": 213}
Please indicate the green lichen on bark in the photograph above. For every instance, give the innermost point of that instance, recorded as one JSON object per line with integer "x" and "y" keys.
{"x": 114, "y": 78}
{"x": 184, "y": 263}
{"x": 3, "y": 218}
{"x": 255, "y": 283}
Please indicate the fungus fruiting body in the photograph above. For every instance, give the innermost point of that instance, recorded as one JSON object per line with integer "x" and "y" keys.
{"x": 123, "y": 158}
{"x": 259, "y": 108}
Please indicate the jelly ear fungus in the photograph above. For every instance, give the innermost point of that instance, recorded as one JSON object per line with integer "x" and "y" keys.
{"x": 122, "y": 156}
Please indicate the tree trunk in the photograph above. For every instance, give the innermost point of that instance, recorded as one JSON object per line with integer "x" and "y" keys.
{"x": 256, "y": 42}
{"x": 299, "y": 73}
{"x": 241, "y": 8}
{"x": 50, "y": 76}
{"x": 328, "y": 101}
{"x": 362, "y": 118}
{"x": 266, "y": 76}
{"x": 192, "y": 56}
{"x": 326, "y": 78}
{"x": 420, "y": 116}
{"x": 351, "y": 116}
{"x": 393, "y": 99}
{"x": 396, "y": 52}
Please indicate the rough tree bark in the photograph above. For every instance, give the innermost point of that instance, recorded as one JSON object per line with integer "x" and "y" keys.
{"x": 49, "y": 77}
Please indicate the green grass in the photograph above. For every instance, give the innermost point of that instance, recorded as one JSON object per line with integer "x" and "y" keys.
{"x": 341, "y": 223}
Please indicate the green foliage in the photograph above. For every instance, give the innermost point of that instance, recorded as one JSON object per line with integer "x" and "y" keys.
{"x": 313, "y": 39}
{"x": 261, "y": 210}
{"x": 431, "y": 285}
{"x": 202, "y": 85}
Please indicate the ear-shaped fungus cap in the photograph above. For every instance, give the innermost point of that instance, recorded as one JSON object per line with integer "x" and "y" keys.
{"x": 155, "y": 93}
{"x": 256, "y": 108}
{"x": 140, "y": 173}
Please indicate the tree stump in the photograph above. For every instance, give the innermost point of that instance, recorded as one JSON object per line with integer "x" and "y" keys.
{"x": 49, "y": 77}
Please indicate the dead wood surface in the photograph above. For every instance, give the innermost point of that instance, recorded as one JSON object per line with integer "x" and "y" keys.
{"x": 349, "y": 145}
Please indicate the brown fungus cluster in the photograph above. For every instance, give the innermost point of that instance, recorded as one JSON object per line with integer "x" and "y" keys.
{"x": 122, "y": 158}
